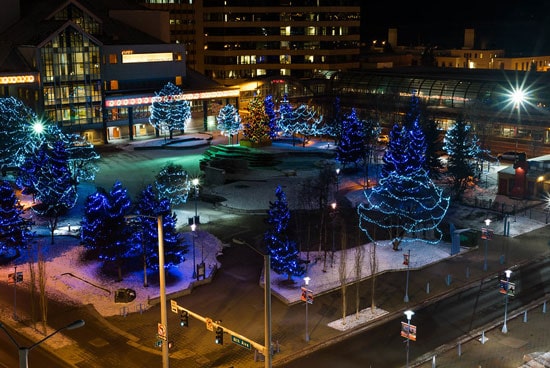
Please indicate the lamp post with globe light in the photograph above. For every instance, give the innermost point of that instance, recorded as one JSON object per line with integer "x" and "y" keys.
{"x": 24, "y": 351}
{"x": 408, "y": 314}
{"x": 195, "y": 183}
{"x": 486, "y": 234}
{"x": 506, "y": 290}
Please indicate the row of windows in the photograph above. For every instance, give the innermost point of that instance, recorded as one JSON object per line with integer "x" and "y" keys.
{"x": 281, "y": 17}
{"x": 284, "y": 45}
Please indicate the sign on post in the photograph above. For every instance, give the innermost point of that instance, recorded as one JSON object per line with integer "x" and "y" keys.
{"x": 173, "y": 306}
{"x": 161, "y": 331}
{"x": 507, "y": 287}
{"x": 241, "y": 342}
{"x": 15, "y": 277}
{"x": 209, "y": 324}
{"x": 408, "y": 331}
{"x": 307, "y": 295}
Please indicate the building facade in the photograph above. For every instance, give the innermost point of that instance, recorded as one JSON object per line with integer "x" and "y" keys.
{"x": 233, "y": 41}
{"x": 78, "y": 64}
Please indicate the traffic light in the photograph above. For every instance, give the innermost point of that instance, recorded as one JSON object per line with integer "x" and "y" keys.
{"x": 184, "y": 319}
{"x": 219, "y": 336}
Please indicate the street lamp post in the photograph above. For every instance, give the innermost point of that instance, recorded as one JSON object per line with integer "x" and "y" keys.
{"x": 487, "y": 223}
{"x": 409, "y": 314}
{"x": 337, "y": 180}
{"x": 162, "y": 282}
{"x": 193, "y": 227}
{"x": 306, "y": 281}
{"x": 195, "y": 182}
{"x": 24, "y": 351}
{"x": 408, "y": 262}
{"x": 504, "y": 327}
{"x": 333, "y": 206}
{"x": 267, "y": 306}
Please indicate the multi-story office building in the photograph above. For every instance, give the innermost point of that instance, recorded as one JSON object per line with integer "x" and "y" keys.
{"x": 80, "y": 64}
{"x": 233, "y": 41}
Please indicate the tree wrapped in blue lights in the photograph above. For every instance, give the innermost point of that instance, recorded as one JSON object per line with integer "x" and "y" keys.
{"x": 334, "y": 125}
{"x": 271, "y": 113}
{"x": 285, "y": 257}
{"x": 406, "y": 202}
{"x": 288, "y": 123}
{"x": 229, "y": 121}
{"x": 104, "y": 231}
{"x": 464, "y": 153}
{"x": 311, "y": 123}
{"x": 351, "y": 148}
{"x": 173, "y": 182}
{"x": 17, "y": 136}
{"x": 48, "y": 177}
{"x": 256, "y": 123}
{"x": 146, "y": 234}
{"x": 168, "y": 111}
{"x": 82, "y": 158}
{"x": 14, "y": 229}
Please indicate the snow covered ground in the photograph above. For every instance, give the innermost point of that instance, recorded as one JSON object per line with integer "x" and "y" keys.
{"x": 81, "y": 282}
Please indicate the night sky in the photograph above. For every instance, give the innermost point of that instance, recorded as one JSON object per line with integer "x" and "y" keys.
{"x": 518, "y": 27}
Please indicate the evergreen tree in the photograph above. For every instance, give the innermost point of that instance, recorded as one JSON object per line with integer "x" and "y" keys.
{"x": 334, "y": 128}
{"x": 47, "y": 175}
{"x": 17, "y": 136}
{"x": 434, "y": 146}
{"x": 395, "y": 157}
{"x": 405, "y": 201}
{"x": 173, "y": 182}
{"x": 272, "y": 116}
{"x": 14, "y": 229}
{"x": 229, "y": 121}
{"x": 105, "y": 232}
{"x": 146, "y": 235}
{"x": 350, "y": 148}
{"x": 256, "y": 123}
{"x": 285, "y": 257}
{"x": 168, "y": 112}
{"x": 464, "y": 151}
{"x": 94, "y": 234}
{"x": 289, "y": 121}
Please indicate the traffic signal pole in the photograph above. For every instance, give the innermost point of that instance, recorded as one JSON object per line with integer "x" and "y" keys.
{"x": 211, "y": 324}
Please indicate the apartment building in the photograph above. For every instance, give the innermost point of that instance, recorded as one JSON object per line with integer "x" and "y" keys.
{"x": 234, "y": 41}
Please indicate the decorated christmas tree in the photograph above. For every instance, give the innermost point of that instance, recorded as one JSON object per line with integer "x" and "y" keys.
{"x": 229, "y": 121}
{"x": 272, "y": 116}
{"x": 351, "y": 148}
{"x": 14, "y": 229}
{"x": 173, "y": 182}
{"x": 256, "y": 123}
{"x": 285, "y": 257}
{"x": 168, "y": 111}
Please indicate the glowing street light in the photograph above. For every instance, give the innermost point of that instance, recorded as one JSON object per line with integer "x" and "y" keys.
{"x": 408, "y": 314}
{"x": 506, "y": 291}
{"x": 305, "y": 298}
{"x": 24, "y": 351}
{"x": 193, "y": 228}
{"x": 487, "y": 236}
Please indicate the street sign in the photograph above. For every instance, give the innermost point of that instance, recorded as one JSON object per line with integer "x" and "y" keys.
{"x": 161, "y": 331}
{"x": 241, "y": 342}
{"x": 507, "y": 287}
{"x": 209, "y": 324}
{"x": 174, "y": 306}
{"x": 15, "y": 277}
{"x": 307, "y": 295}
{"x": 408, "y": 331}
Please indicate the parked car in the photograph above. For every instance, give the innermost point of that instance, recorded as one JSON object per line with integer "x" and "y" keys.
{"x": 383, "y": 139}
{"x": 511, "y": 155}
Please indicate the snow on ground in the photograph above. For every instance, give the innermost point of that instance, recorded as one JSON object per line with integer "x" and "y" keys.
{"x": 75, "y": 281}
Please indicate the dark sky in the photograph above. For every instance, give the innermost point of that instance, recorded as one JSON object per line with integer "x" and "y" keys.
{"x": 519, "y": 27}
